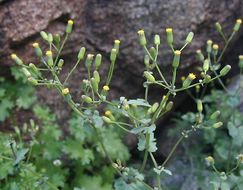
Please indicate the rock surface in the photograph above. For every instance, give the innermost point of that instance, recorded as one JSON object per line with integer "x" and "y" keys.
{"x": 99, "y": 22}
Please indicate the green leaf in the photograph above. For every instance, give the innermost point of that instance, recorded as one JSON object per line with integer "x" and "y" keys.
{"x": 20, "y": 155}
{"x": 139, "y": 102}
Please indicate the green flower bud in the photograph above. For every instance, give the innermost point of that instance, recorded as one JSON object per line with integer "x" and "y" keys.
{"x": 237, "y": 25}
{"x": 188, "y": 80}
{"x": 69, "y": 27}
{"x": 49, "y": 58}
{"x": 152, "y": 52}
{"x": 57, "y": 39}
{"x": 89, "y": 60}
{"x": 207, "y": 78}
{"x": 50, "y": 38}
{"x": 106, "y": 119}
{"x": 199, "y": 106}
{"x": 32, "y": 81}
{"x": 98, "y": 60}
{"x": 215, "y": 115}
{"x": 189, "y": 37}
{"x": 154, "y": 107}
{"x": 113, "y": 55}
{"x": 149, "y": 76}
{"x": 26, "y": 72}
{"x": 218, "y": 27}
{"x": 34, "y": 69}
{"x": 157, "y": 39}
{"x": 176, "y": 60}
{"x": 44, "y": 35}
{"x": 96, "y": 76}
{"x": 86, "y": 99}
{"x": 169, "y": 106}
{"x": 209, "y": 46}
{"x": 17, "y": 59}
{"x": 200, "y": 56}
{"x": 225, "y": 70}
{"x": 169, "y": 36}
{"x": 206, "y": 65}
{"x": 146, "y": 60}
{"x": 60, "y": 63}
{"x": 210, "y": 160}
{"x": 94, "y": 85}
{"x": 241, "y": 61}
{"x": 217, "y": 125}
{"x": 142, "y": 38}
{"x": 81, "y": 53}
{"x": 38, "y": 50}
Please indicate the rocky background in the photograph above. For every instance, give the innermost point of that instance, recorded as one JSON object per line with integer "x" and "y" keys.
{"x": 99, "y": 22}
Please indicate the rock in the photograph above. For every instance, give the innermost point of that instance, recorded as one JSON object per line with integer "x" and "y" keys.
{"x": 99, "y": 22}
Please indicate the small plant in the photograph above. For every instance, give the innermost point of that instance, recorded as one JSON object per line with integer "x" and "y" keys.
{"x": 95, "y": 95}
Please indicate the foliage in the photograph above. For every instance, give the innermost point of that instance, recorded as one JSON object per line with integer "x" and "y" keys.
{"x": 96, "y": 96}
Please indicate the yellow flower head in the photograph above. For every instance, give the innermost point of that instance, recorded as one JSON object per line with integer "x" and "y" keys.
{"x": 70, "y": 22}
{"x": 108, "y": 113}
{"x": 106, "y": 88}
{"x": 191, "y": 76}
{"x": 35, "y": 45}
{"x": 117, "y": 41}
{"x": 240, "y": 57}
{"x": 168, "y": 30}
{"x": 209, "y": 42}
{"x": 13, "y": 56}
{"x": 49, "y": 53}
{"x": 215, "y": 46}
{"x": 65, "y": 91}
{"x": 90, "y": 56}
{"x": 177, "y": 52}
{"x": 141, "y": 32}
{"x": 239, "y": 21}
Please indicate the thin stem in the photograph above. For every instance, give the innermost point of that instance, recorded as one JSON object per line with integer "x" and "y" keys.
{"x": 145, "y": 158}
{"x": 156, "y": 166}
{"x": 69, "y": 74}
{"x": 60, "y": 50}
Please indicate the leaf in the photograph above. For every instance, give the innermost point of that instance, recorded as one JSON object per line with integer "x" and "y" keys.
{"x": 160, "y": 169}
{"x": 139, "y": 102}
{"x": 20, "y": 155}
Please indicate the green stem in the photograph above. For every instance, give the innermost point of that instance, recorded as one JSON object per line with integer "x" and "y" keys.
{"x": 156, "y": 166}
{"x": 145, "y": 158}
{"x": 69, "y": 74}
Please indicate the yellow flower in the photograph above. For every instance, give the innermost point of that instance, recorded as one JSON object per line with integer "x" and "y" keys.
{"x": 168, "y": 30}
{"x": 65, "y": 91}
{"x": 108, "y": 113}
{"x": 35, "y": 45}
{"x": 215, "y": 46}
{"x": 209, "y": 42}
{"x": 106, "y": 88}
{"x": 183, "y": 78}
{"x": 117, "y": 41}
{"x": 192, "y": 76}
{"x": 177, "y": 52}
{"x": 141, "y": 32}
{"x": 240, "y": 57}
{"x": 49, "y": 53}
{"x": 70, "y": 22}
{"x": 13, "y": 56}
{"x": 239, "y": 21}
{"x": 210, "y": 160}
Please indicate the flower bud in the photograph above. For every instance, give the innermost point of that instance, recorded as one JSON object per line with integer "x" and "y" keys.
{"x": 209, "y": 46}
{"x": 81, "y": 53}
{"x": 49, "y": 58}
{"x": 16, "y": 59}
{"x": 241, "y": 61}
{"x": 217, "y": 125}
{"x": 32, "y": 80}
{"x": 89, "y": 60}
{"x": 210, "y": 160}
{"x": 215, "y": 49}
{"x": 86, "y": 99}
{"x": 98, "y": 59}
{"x": 26, "y": 72}
{"x": 50, "y": 38}
{"x": 218, "y": 27}
{"x": 113, "y": 55}
{"x": 146, "y": 60}
{"x": 225, "y": 70}
{"x": 215, "y": 115}
{"x": 199, "y": 106}
{"x": 237, "y": 25}
{"x": 197, "y": 88}
{"x": 69, "y": 27}
{"x": 176, "y": 60}
{"x": 206, "y": 65}
{"x": 154, "y": 107}
{"x": 117, "y": 45}
{"x": 57, "y": 39}
{"x": 65, "y": 91}
{"x": 38, "y": 50}
{"x": 169, "y": 36}
{"x": 94, "y": 85}
{"x": 189, "y": 37}
{"x": 34, "y": 69}
{"x": 152, "y": 52}
{"x": 149, "y": 76}
{"x": 106, "y": 119}
{"x": 188, "y": 80}
{"x": 157, "y": 39}
{"x": 96, "y": 76}
{"x": 200, "y": 56}
{"x": 169, "y": 106}
{"x": 109, "y": 115}
{"x": 142, "y": 38}
{"x": 60, "y": 63}
{"x": 44, "y": 35}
